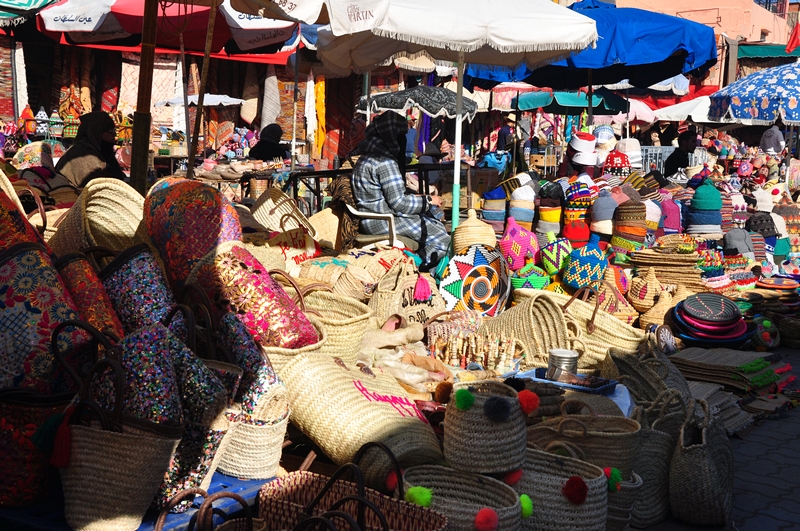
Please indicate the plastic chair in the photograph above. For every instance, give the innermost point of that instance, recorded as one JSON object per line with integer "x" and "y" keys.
{"x": 391, "y": 239}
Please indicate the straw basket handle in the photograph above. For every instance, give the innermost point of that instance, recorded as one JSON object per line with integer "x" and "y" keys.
{"x": 26, "y": 187}
{"x": 572, "y": 420}
{"x": 656, "y": 365}
{"x": 572, "y": 450}
{"x": 290, "y": 280}
{"x": 359, "y": 480}
{"x": 205, "y": 516}
{"x": 665, "y": 398}
{"x": 203, "y": 307}
{"x": 576, "y": 402}
{"x": 363, "y": 450}
{"x": 188, "y": 315}
{"x": 59, "y": 356}
{"x": 433, "y": 319}
{"x": 586, "y": 291}
{"x": 633, "y": 385}
{"x": 281, "y": 202}
{"x": 294, "y": 217}
{"x": 119, "y": 388}
{"x": 362, "y": 501}
{"x": 173, "y": 502}
{"x": 612, "y": 287}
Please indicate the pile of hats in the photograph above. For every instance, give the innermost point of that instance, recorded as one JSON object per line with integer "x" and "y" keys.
{"x": 762, "y": 221}
{"x": 709, "y": 318}
{"x": 714, "y": 274}
{"x": 582, "y": 150}
{"x": 630, "y": 227}
{"x": 579, "y": 200}
{"x": 737, "y": 269}
{"x": 617, "y": 168}
{"x": 602, "y": 215}
{"x": 704, "y": 215}
{"x": 551, "y": 198}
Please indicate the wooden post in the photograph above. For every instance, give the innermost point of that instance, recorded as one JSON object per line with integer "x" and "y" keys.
{"x": 141, "y": 117}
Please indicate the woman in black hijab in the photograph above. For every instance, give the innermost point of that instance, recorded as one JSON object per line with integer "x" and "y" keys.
{"x": 92, "y": 154}
{"x": 268, "y": 147}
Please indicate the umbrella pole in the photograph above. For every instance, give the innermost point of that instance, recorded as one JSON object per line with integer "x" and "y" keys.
{"x": 457, "y": 162}
{"x": 185, "y": 80}
{"x": 366, "y": 90}
{"x": 201, "y": 91}
{"x": 589, "y": 118}
{"x": 628, "y": 115}
{"x": 141, "y": 117}
{"x": 294, "y": 104}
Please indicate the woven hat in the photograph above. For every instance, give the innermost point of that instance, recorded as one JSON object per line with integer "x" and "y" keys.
{"x": 740, "y": 240}
{"x": 790, "y": 212}
{"x": 670, "y": 214}
{"x": 649, "y": 193}
{"x": 655, "y": 179}
{"x": 706, "y": 197}
{"x": 586, "y": 264}
{"x": 745, "y": 169}
{"x": 763, "y": 200}
{"x": 631, "y": 213}
{"x": 554, "y": 255}
{"x": 631, "y": 192}
{"x": 603, "y": 134}
{"x": 577, "y": 232}
{"x": 635, "y": 179}
{"x": 583, "y": 142}
{"x": 618, "y": 164}
{"x": 603, "y": 207}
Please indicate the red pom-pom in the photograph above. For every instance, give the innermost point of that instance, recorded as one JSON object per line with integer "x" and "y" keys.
{"x": 575, "y": 490}
{"x": 391, "y": 480}
{"x": 512, "y": 478}
{"x": 528, "y": 401}
{"x": 486, "y": 520}
{"x": 765, "y": 336}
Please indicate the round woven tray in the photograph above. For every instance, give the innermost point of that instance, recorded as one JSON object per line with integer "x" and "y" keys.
{"x": 711, "y": 307}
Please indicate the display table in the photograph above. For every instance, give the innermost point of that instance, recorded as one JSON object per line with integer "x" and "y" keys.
{"x": 49, "y": 515}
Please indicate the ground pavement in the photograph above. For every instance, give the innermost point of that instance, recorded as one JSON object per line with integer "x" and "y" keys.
{"x": 767, "y": 485}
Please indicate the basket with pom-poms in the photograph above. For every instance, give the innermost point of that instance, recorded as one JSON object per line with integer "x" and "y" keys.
{"x": 469, "y": 501}
{"x": 484, "y": 427}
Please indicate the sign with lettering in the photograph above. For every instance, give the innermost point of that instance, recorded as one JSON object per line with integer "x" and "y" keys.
{"x": 253, "y": 31}
{"x": 77, "y": 16}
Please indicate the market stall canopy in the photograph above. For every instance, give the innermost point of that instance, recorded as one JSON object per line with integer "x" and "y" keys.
{"x": 571, "y": 103}
{"x": 13, "y": 12}
{"x": 120, "y": 22}
{"x": 676, "y": 86}
{"x": 209, "y": 100}
{"x": 762, "y": 98}
{"x": 764, "y": 51}
{"x": 695, "y": 110}
{"x": 433, "y": 101}
{"x": 638, "y": 113}
{"x": 641, "y": 46}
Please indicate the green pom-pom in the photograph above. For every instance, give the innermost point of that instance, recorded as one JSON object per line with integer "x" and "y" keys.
{"x": 527, "y": 505}
{"x": 614, "y": 479}
{"x": 420, "y": 496}
{"x": 464, "y": 399}
{"x": 767, "y": 323}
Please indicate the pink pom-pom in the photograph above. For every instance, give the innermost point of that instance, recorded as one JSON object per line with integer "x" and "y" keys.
{"x": 486, "y": 520}
{"x": 513, "y": 477}
{"x": 422, "y": 290}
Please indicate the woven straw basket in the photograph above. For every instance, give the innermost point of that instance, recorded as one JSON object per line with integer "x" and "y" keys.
{"x": 273, "y": 206}
{"x": 460, "y": 495}
{"x": 258, "y": 245}
{"x": 473, "y": 442}
{"x": 656, "y": 314}
{"x": 602, "y": 441}
{"x": 543, "y": 477}
{"x": 473, "y": 231}
{"x": 621, "y": 502}
{"x": 107, "y": 213}
{"x": 644, "y": 290}
{"x": 50, "y": 225}
{"x": 281, "y": 356}
{"x": 345, "y": 319}
{"x": 340, "y": 408}
{"x": 254, "y": 451}
{"x": 8, "y": 188}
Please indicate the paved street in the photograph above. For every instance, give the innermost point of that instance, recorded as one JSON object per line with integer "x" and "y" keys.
{"x": 767, "y": 486}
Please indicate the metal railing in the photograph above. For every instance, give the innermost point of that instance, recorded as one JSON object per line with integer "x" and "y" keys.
{"x": 658, "y": 155}
{"x": 778, "y": 7}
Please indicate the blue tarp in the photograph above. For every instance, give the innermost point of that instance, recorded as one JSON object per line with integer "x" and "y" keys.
{"x": 641, "y": 46}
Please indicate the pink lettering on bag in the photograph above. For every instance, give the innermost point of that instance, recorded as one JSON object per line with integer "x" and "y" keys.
{"x": 403, "y": 405}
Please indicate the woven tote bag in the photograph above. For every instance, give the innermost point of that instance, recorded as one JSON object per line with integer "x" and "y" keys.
{"x": 395, "y": 294}
{"x": 357, "y": 407}
{"x": 603, "y": 441}
{"x": 478, "y": 440}
{"x": 108, "y": 212}
{"x": 26, "y": 476}
{"x": 205, "y": 513}
{"x": 105, "y": 486}
{"x": 544, "y": 476}
{"x": 299, "y": 494}
{"x": 271, "y": 207}
{"x": 255, "y": 443}
{"x": 701, "y": 471}
{"x": 465, "y": 498}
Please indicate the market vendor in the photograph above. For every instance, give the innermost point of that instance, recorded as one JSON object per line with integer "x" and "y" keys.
{"x": 379, "y": 186}
{"x": 269, "y": 147}
{"x": 772, "y": 141}
{"x": 679, "y": 159}
{"x": 92, "y": 154}
{"x": 580, "y": 142}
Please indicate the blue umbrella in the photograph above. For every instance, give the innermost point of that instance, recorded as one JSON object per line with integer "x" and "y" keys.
{"x": 641, "y": 46}
{"x": 762, "y": 98}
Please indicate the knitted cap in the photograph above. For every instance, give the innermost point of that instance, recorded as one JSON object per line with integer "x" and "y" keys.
{"x": 790, "y": 213}
{"x": 578, "y": 192}
{"x": 577, "y": 232}
{"x": 635, "y": 179}
{"x": 763, "y": 200}
{"x": 649, "y": 193}
{"x": 617, "y": 163}
{"x": 780, "y": 225}
{"x": 655, "y": 179}
{"x": 582, "y": 142}
{"x": 671, "y": 214}
{"x": 603, "y": 133}
{"x": 586, "y": 264}
{"x": 740, "y": 240}
{"x": 706, "y": 197}
{"x": 618, "y": 195}
{"x": 652, "y": 214}
{"x": 604, "y": 207}
{"x": 740, "y": 213}
{"x": 631, "y": 213}
{"x": 631, "y": 192}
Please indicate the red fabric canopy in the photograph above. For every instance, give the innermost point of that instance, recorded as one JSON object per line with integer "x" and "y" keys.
{"x": 655, "y": 103}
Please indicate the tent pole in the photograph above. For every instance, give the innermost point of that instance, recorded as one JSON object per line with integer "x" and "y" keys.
{"x": 294, "y": 104}
{"x": 589, "y": 118}
{"x": 366, "y": 90}
{"x": 14, "y": 95}
{"x": 201, "y": 91}
{"x": 628, "y": 114}
{"x": 457, "y": 162}
{"x": 141, "y": 117}
{"x": 185, "y": 76}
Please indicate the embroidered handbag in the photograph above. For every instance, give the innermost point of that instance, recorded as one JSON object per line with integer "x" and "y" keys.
{"x": 14, "y": 227}
{"x": 398, "y": 292}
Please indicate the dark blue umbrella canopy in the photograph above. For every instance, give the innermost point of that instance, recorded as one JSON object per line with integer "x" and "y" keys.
{"x": 641, "y": 46}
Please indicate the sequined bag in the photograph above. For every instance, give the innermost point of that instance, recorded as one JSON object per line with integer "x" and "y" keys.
{"x": 26, "y": 476}
{"x": 235, "y": 281}
{"x": 138, "y": 290}
{"x": 186, "y": 220}
{"x": 33, "y": 301}
{"x": 14, "y": 227}
{"x": 93, "y": 304}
